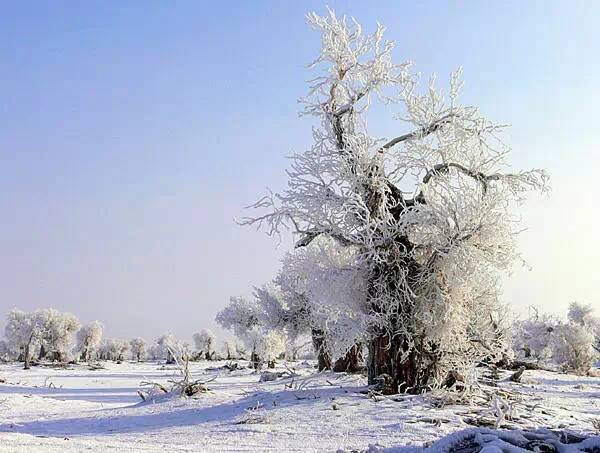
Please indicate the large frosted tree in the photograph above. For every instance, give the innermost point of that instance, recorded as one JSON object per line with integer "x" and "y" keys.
{"x": 430, "y": 209}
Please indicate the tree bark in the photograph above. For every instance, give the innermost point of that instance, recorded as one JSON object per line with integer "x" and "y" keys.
{"x": 323, "y": 359}
{"x": 351, "y": 362}
{"x": 42, "y": 353}
{"x": 255, "y": 360}
{"x": 27, "y": 366}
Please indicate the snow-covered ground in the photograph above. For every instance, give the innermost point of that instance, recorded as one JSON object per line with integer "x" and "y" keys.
{"x": 78, "y": 409}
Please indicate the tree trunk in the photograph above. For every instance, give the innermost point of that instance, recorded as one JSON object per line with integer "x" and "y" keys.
{"x": 351, "y": 362}
{"x": 170, "y": 358}
{"x": 385, "y": 356}
{"x": 42, "y": 353}
{"x": 255, "y": 360}
{"x": 323, "y": 359}
{"x": 27, "y": 366}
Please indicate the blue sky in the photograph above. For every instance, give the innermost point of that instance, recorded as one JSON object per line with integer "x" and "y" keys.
{"x": 132, "y": 134}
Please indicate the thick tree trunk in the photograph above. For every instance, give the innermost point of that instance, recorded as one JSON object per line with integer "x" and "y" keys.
{"x": 351, "y": 362}
{"x": 385, "y": 359}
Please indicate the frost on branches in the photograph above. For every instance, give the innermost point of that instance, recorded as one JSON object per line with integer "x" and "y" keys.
{"x": 573, "y": 346}
{"x": 248, "y": 321}
{"x": 428, "y": 210}
{"x": 47, "y": 334}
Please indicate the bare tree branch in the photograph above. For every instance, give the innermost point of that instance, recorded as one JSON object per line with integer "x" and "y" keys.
{"x": 423, "y": 132}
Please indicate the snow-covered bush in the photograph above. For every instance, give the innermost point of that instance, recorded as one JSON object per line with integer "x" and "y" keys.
{"x": 205, "y": 343}
{"x": 533, "y": 336}
{"x": 138, "y": 348}
{"x": 429, "y": 212}
{"x": 570, "y": 345}
{"x": 573, "y": 347}
{"x": 89, "y": 338}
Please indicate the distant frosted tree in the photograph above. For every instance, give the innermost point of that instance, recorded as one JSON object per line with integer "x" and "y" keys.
{"x": 430, "y": 210}
{"x": 229, "y": 351}
{"x": 5, "y": 352}
{"x": 168, "y": 346}
{"x": 89, "y": 338}
{"x": 205, "y": 343}
{"x": 138, "y": 348}
{"x": 246, "y": 318}
{"x": 573, "y": 347}
{"x": 114, "y": 349}
{"x": 533, "y": 336}
{"x": 266, "y": 347}
{"x": 57, "y": 333}
{"x": 240, "y": 350}
{"x": 155, "y": 352}
{"x": 584, "y": 315}
{"x": 23, "y": 333}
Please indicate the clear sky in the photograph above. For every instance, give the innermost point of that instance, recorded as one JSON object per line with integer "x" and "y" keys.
{"x": 132, "y": 133}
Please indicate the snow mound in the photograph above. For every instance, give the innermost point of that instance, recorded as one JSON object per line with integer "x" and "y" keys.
{"x": 483, "y": 440}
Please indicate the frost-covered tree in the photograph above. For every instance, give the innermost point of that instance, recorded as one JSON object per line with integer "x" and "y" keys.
{"x": 573, "y": 347}
{"x": 584, "y": 315}
{"x": 155, "y": 352}
{"x": 228, "y": 349}
{"x": 169, "y": 346}
{"x": 323, "y": 289}
{"x": 89, "y": 338}
{"x": 246, "y": 318}
{"x": 205, "y": 343}
{"x": 266, "y": 347}
{"x": 533, "y": 336}
{"x": 576, "y": 343}
{"x": 114, "y": 349}
{"x": 23, "y": 332}
{"x": 57, "y": 334}
{"x": 5, "y": 352}
{"x": 138, "y": 348}
{"x": 240, "y": 350}
{"x": 430, "y": 210}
